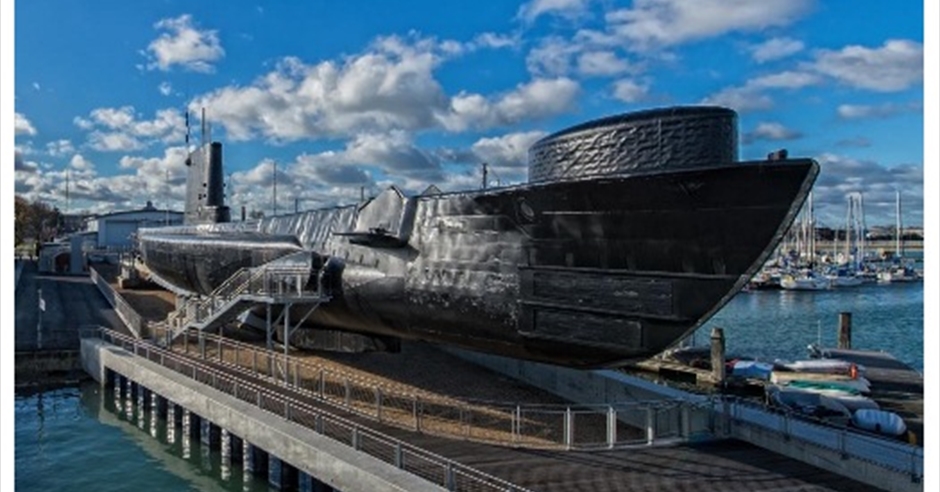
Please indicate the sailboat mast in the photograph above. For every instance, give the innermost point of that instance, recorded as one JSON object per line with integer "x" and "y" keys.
{"x": 897, "y": 224}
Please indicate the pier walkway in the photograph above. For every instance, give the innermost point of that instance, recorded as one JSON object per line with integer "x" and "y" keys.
{"x": 719, "y": 465}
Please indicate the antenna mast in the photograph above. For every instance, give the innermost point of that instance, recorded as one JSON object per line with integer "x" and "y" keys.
{"x": 203, "y": 123}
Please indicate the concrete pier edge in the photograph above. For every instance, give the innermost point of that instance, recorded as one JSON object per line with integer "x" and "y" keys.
{"x": 330, "y": 462}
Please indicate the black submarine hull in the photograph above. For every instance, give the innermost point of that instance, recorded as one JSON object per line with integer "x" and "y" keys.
{"x": 585, "y": 272}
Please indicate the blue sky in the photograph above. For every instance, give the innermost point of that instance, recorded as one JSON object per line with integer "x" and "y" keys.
{"x": 371, "y": 93}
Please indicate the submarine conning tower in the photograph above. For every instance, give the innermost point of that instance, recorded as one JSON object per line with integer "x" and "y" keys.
{"x": 205, "y": 186}
{"x": 679, "y": 137}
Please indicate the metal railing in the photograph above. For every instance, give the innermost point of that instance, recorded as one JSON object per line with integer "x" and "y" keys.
{"x": 135, "y": 323}
{"x": 538, "y": 426}
{"x": 425, "y": 464}
{"x": 871, "y": 448}
{"x": 268, "y": 282}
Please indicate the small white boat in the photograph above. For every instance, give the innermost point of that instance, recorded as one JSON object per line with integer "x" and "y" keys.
{"x": 823, "y": 366}
{"x": 845, "y": 280}
{"x": 881, "y": 421}
{"x": 899, "y": 274}
{"x": 859, "y": 384}
{"x": 752, "y": 369}
{"x": 805, "y": 281}
{"x": 848, "y": 399}
{"x": 809, "y": 404}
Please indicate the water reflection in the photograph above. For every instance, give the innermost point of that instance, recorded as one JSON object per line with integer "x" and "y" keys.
{"x": 167, "y": 452}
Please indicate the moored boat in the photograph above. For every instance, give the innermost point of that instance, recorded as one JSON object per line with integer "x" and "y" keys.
{"x": 858, "y": 383}
{"x": 880, "y": 421}
{"x": 808, "y": 404}
{"x": 805, "y": 280}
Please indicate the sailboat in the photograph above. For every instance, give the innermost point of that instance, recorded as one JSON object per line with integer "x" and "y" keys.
{"x": 806, "y": 278}
{"x": 900, "y": 271}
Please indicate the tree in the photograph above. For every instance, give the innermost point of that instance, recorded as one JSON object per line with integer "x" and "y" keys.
{"x": 34, "y": 220}
{"x": 256, "y": 214}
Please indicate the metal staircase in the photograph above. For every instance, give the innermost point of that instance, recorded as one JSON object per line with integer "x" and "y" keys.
{"x": 246, "y": 288}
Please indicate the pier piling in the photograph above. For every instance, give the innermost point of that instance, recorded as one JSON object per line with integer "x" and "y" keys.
{"x": 718, "y": 355}
{"x": 845, "y": 330}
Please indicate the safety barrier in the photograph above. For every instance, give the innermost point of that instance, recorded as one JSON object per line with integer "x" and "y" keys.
{"x": 539, "y": 426}
{"x": 430, "y": 466}
{"x": 135, "y": 323}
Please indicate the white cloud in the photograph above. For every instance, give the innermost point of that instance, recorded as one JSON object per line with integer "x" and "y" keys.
{"x": 784, "y": 80}
{"x": 36, "y": 86}
{"x": 840, "y": 175}
{"x": 533, "y": 100}
{"x": 389, "y": 87}
{"x": 507, "y": 154}
{"x": 83, "y": 167}
{"x": 602, "y": 63}
{"x": 119, "y": 129}
{"x": 774, "y": 49}
{"x": 651, "y": 24}
{"x": 771, "y": 131}
{"x": 183, "y": 44}
{"x": 165, "y": 88}
{"x": 743, "y": 99}
{"x": 752, "y": 97}
{"x": 895, "y": 66}
{"x": 567, "y": 8}
{"x": 22, "y": 126}
{"x": 886, "y": 110}
{"x": 59, "y": 148}
{"x": 628, "y": 91}
{"x": 552, "y": 57}
{"x": 495, "y": 41}
{"x": 160, "y": 176}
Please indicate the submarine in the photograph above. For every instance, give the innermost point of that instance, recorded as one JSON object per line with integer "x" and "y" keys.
{"x": 631, "y": 231}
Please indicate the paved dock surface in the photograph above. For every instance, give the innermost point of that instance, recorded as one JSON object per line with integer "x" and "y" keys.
{"x": 728, "y": 465}
{"x": 71, "y": 302}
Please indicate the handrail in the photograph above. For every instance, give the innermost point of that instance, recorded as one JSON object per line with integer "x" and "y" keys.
{"x": 262, "y": 281}
{"x": 453, "y": 475}
{"x": 134, "y": 321}
{"x": 864, "y": 446}
{"x": 534, "y": 426}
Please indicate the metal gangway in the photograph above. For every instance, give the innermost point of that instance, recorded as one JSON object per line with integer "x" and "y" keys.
{"x": 274, "y": 284}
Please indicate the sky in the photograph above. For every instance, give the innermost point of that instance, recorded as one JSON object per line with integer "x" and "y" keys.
{"x": 335, "y": 96}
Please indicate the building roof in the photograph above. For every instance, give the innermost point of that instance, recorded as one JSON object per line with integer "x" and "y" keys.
{"x": 149, "y": 208}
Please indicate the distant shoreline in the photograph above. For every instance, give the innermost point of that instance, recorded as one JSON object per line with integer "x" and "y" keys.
{"x": 880, "y": 244}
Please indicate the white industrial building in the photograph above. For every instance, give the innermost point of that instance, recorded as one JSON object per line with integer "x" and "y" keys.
{"x": 116, "y": 230}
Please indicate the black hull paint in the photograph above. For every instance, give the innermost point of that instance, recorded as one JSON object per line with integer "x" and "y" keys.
{"x": 585, "y": 273}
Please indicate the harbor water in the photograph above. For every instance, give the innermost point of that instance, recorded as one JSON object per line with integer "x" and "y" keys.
{"x": 780, "y": 324}
{"x": 76, "y": 439}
